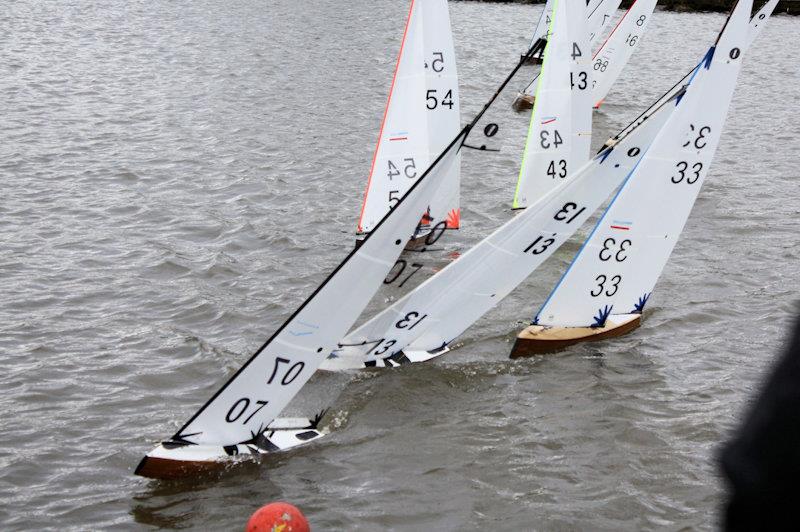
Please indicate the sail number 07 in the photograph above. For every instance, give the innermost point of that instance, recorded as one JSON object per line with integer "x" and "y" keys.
{"x": 242, "y": 406}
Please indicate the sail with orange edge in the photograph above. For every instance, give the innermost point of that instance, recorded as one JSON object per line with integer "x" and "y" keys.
{"x": 421, "y": 118}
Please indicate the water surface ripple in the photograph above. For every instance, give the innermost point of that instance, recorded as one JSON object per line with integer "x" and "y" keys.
{"x": 179, "y": 176}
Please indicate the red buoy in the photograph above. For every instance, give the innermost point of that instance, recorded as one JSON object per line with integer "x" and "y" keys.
{"x": 278, "y": 517}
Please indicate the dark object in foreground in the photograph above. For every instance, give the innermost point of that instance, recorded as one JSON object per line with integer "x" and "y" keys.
{"x": 762, "y": 461}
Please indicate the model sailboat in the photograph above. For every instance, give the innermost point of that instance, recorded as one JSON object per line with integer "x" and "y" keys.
{"x": 607, "y": 286}
{"x": 241, "y": 420}
{"x": 423, "y": 324}
{"x": 422, "y": 115}
{"x": 598, "y": 15}
{"x": 560, "y": 129}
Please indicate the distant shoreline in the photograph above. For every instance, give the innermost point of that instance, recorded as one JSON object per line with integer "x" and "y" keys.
{"x": 791, "y": 7}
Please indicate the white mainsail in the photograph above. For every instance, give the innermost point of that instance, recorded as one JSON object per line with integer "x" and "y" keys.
{"x": 598, "y": 16}
{"x": 614, "y": 53}
{"x": 560, "y": 129}
{"x": 421, "y": 325}
{"x": 618, "y": 266}
{"x": 422, "y": 115}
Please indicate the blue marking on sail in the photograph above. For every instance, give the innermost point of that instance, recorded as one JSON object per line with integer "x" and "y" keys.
{"x": 602, "y": 316}
{"x": 704, "y": 63}
{"x": 639, "y": 306}
{"x": 709, "y": 56}
{"x": 604, "y": 155}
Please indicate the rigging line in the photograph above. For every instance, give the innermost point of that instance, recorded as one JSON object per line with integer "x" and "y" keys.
{"x": 538, "y": 45}
{"x": 463, "y": 133}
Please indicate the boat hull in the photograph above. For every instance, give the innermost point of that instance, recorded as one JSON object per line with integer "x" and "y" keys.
{"x": 533, "y": 60}
{"x": 171, "y": 460}
{"x": 537, "y": 339}
{"x": 523, "y": 102}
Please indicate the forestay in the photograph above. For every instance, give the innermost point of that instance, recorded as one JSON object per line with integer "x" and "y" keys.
{"x": 421, "y": 325}
{"x": 422, "y": 115}
{"x": 560, "y": 129}
{"x": 617, "y": 268}
{"x": 614, "y": 53}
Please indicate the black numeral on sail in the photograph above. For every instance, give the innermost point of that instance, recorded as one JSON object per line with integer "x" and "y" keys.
{"x": 432, "y": 102}
{"x": 539, "y": 245}
{"x": 411, "y": 320}
{"x": 566, "y": 210}
{"x": 700, "y": 141}
{"x": 410, "y": 169}
{"x": 682, "y": 168}
{"x": 290, "y": 375}
{"x": 385, "y": 347}
{"x": 608, "y": 250}
{"x": 546, "y": 141}
{"x": 395, "y": 273}
{"x": 562, "y": 169}
{"x": 601, "y": 285}
{"x": 582, "y": 78}
{"x": 438, "y": 62}
{"x": 240, "y": 407}
{"x": 576, "y": 50}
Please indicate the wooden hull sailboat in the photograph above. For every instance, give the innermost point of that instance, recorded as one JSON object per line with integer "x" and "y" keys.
{"x": 611, "y": 279}
{"x": 538, "y": 339}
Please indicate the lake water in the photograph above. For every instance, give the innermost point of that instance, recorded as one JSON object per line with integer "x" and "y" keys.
{"x": 179, "y": 176}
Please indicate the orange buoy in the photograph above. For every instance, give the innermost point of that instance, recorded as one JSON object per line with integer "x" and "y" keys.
{"x": 278, "y": 517}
